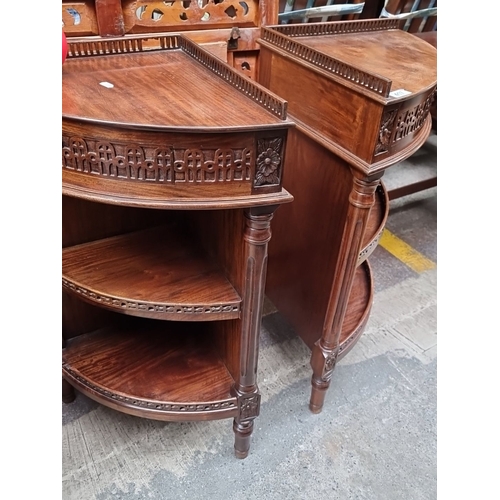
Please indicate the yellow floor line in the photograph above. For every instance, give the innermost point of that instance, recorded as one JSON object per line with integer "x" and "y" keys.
{"x": 405, "y": 253}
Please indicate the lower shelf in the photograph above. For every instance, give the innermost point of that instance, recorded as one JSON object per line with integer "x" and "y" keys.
{"x": 162, "y": 372}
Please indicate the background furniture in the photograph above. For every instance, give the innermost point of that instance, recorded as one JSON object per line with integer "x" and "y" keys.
{"x": 370, "y": 86}
{"x": 168, "y": 198}
{"x": 229, "y": 29}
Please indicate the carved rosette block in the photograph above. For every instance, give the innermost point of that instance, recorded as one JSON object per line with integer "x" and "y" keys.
{"x": 268, "y": 171}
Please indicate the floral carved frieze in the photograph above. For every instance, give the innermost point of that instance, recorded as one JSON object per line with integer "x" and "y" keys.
{"x": 396, "y": 124}
{"x": 157, "y": 164}
{"x": 409, "y": 121}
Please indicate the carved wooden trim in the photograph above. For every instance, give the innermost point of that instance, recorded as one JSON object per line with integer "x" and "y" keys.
{"x": 147, "y": 404}
{"x": 397, "y": 124}
{"x": 248, "y": 406}
{"x": 337, "y": 28}
{"x": 268, "y": 168}
{"x": 385, "y": 131}
{"x": 365, "y": 253}
{"x": 134, "y": 162}
{"x": 155, "y": 15}
{"x": 149, "y": 307}
{"x": 120, "y": 45}
{"x": 144, "y": 43}
{"x": 411, "y": 120}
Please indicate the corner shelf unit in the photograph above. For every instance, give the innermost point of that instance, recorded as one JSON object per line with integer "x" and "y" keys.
{"x": 371, "y": 86}
{"x": 168, "y": 198}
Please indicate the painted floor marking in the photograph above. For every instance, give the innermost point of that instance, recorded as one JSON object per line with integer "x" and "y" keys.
{"x": 405, "y": 253}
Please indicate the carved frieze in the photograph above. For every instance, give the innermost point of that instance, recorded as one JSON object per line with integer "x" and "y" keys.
{"x": 410, "y": 120}
{"x": 157, "y": 164}
{"x": 134, "y": 162}
{"x": 396, "y": 124}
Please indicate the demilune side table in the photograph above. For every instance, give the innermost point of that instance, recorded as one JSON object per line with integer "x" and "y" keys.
{"x": 172, "y": 166}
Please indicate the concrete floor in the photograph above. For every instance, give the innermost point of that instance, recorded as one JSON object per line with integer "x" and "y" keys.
{"x": 374, "y": 440}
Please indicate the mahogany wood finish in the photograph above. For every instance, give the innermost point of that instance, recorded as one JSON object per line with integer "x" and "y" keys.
{"x": 172, "y": 170}
{"x": 370, "y": 86}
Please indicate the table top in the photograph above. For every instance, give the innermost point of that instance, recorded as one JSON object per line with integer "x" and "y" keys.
{"x": 179, "y": 88}
{"x": 375, "y": 56}
{"x": 397, "y": 55}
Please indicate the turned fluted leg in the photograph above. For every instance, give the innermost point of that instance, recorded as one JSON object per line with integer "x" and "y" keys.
{"x": 325, "y": 351}
{"x": 256, "y": 238}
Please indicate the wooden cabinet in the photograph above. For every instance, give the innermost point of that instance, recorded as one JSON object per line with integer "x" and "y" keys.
{"x": 360, "y": 94}
{"x": 172, "y": 171}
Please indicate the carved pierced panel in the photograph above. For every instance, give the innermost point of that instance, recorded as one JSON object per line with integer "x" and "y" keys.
{"x": 155, "y": 16}
{"x": 410, "y": 120}
{"x": 134, "y": 162}
{"x": 399, "y": 123}
{"x": 79, "y": 18}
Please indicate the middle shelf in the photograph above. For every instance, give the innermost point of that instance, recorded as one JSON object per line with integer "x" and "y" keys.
{"x": 154, "y": 273}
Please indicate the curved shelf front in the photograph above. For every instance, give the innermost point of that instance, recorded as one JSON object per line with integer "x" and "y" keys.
{"x": 147, "y": 370}
{"x": 376, "y": 223}
{"x": 156, "y": 273}
{"x": 358, "y": 309}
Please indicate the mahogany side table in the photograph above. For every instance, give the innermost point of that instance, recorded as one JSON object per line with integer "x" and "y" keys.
{"x": 360, "y": 94}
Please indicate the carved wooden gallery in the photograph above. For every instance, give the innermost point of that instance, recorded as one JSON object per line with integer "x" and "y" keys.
{"x": 213, "y": 156}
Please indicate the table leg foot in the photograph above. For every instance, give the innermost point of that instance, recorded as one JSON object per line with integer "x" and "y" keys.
{"x": 68, "y": 392}
{"x": 318, "y": 393}
{"x": 243, "y": 432}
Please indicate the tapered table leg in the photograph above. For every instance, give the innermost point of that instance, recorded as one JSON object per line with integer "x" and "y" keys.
{"x": 257, "y": 235}
{"x": 325, "y": 350}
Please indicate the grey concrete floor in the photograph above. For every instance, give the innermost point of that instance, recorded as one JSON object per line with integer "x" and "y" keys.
{"x": 375, "y": 439}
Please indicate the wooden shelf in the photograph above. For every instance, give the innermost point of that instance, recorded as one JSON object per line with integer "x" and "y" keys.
{"x": 376, "y": 223}
{"x": 358, "y": 309}
{"x": 157, "y": 370}
{"x": 156, "y": 273}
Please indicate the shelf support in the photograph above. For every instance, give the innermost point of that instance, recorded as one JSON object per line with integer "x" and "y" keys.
{"x": 256, "y": 238}
{"x": 326, "y": 349}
